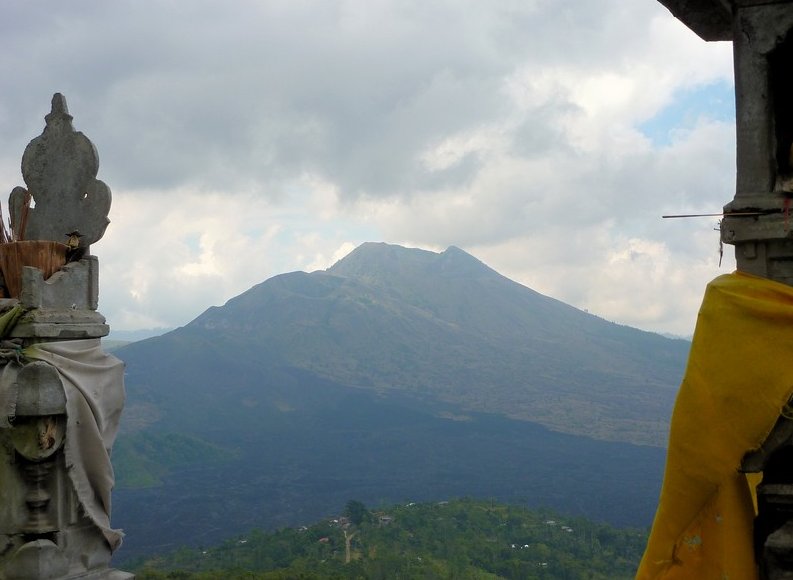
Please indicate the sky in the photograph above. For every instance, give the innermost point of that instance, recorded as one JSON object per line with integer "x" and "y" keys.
{"x": 241, "y": 141}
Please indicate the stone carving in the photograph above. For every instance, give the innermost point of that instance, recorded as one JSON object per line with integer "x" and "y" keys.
{"x": 61, "y": 396}
{"x": 59, "y": 168}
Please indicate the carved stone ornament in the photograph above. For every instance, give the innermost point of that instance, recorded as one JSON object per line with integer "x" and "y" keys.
{"x": 59, "y": 168}
{"x": 61, "y": 395}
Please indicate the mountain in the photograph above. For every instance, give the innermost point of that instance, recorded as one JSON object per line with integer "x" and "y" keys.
{"x": 135, "y": 335}
{"x": 397, "y": 373}
{"x": 446, "y": 327}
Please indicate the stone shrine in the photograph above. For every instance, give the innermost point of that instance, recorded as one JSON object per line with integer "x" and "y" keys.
{"x": 61, "y": 396}
{"x": 758, "y": 220}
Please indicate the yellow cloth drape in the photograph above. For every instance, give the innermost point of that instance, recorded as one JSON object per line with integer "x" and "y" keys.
{"x": 738, "y": 378}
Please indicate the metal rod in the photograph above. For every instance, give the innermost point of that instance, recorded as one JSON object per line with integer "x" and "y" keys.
{"x": 721, "y": 214}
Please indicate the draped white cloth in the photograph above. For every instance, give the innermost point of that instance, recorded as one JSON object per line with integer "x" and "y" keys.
{"x": 93, "y": 382}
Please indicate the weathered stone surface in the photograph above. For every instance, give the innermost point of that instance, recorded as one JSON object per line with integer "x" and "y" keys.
{"x": 59, "y": 168}
{"x": 54, "y": 524}
{"x": 778, "y": 554}
{"x": 60, "y": 324}
{"x": 763, "y": 48}
{"x": 64, "y": 306}
{"x": 710, "y": 19}
{"x": 75, "y": 286}
{"x": 39, "y": 559}
{"x": 40, "y": 390}
{"x": 12, "y": 498}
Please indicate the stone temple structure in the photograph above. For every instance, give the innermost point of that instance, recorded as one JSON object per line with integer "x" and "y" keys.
{"x": 61, "y": 396}
{"x": 758, "y": 220}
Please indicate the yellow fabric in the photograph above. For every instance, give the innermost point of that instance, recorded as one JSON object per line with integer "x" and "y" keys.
{"x": 738, "y": 378}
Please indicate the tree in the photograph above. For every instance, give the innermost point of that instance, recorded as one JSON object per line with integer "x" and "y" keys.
{"x": 356, "y": 511}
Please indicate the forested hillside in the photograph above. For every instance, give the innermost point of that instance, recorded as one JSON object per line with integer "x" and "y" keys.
{"x": 458, "y": 539}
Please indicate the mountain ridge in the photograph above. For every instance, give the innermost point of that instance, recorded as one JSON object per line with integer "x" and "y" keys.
{"x": 446, "y": 326}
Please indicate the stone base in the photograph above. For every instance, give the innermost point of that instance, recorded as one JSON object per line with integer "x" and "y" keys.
{"x": 60, "y": 325}
{"x": 43, "y": 560}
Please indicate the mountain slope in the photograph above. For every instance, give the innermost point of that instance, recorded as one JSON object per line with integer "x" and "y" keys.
{"x": 395, "y": 375}
{"x": 447, "y": 328}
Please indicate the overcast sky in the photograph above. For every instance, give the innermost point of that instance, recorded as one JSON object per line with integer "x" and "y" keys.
{"x": 243, "y": 140}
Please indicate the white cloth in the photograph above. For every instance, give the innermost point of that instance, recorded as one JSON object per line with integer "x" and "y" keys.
{"x": 8, "y": 394}
{"x": 94, "y": 385}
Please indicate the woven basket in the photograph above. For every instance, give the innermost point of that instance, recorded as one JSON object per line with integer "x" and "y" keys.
{"x": 47, "y": 256}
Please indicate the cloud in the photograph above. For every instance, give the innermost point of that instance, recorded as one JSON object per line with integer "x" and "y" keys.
{"x": 241, "y": 143}
{"x": 164, "y": 260}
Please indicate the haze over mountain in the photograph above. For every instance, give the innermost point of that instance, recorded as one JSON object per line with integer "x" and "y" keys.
{"x": 396, "y": 373}
{"x": 447, "y": 327}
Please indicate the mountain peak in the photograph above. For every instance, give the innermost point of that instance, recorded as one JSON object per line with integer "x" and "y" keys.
{"x": 372, "y": 253}
{"x": 378, "y": 261}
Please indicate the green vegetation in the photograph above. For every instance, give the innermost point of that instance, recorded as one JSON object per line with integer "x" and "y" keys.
{"x": 461, "y": 539}
{"x": 356, "y": 512}
{"x": 144, "y": 458}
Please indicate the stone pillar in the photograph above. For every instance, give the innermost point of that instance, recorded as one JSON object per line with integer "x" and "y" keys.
{"x": 759, "y": 219}
{"x": 61, "y": 396}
